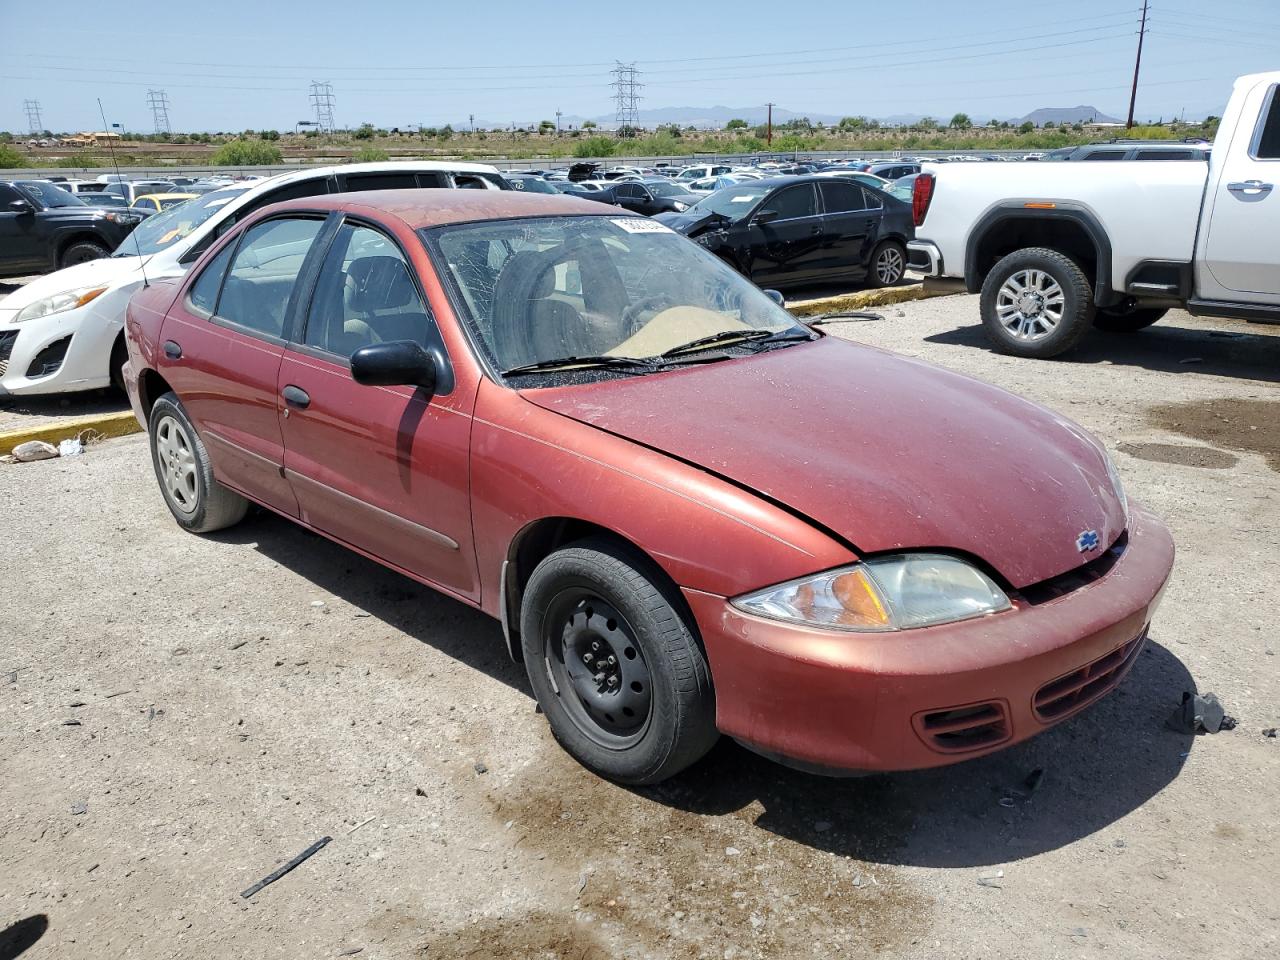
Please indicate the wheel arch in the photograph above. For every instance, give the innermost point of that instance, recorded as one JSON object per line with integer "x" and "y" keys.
{"x": 540, "y": 538}
{"x": 151, "y": 386}
{"x": 1069, "y": 229}
{"x": 66, "y": 241}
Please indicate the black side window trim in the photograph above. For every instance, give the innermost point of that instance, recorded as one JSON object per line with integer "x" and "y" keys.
{"x": 296, "y": 327}
{"x": 1270, "y": 113}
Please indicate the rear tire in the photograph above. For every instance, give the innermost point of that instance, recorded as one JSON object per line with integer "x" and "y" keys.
{"x": 614, "y": 664}
{"x": 82, "y": 251}
{"x": 197, "y": 501}
{"x": 888, "y": 263}
{"x": 1036, "y": 303}
{"x": 1127, "y": 321}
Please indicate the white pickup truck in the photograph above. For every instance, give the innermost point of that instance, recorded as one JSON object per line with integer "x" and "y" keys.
{"x": 1057, "y": 249}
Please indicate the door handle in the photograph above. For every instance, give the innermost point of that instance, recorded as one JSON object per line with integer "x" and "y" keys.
{"x": 816, "y": 229}
{"x": 296, "y": 397}
{"x": 172, "y": 350}
{"x": 1248, "y": 186}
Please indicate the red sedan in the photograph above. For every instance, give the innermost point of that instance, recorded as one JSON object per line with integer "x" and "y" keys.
{"x": 692, "y": 514}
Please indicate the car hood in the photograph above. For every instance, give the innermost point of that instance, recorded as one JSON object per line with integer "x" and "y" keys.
{"x": 691, "y": 222}
{"x": 107, "y": 270}
{"x": 887, "y": 452}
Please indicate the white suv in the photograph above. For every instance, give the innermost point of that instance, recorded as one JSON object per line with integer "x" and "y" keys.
{"x": 78, "y": 313}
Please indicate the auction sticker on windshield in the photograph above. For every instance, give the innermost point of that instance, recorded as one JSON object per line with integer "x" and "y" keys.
{"x": 637, "y": 225}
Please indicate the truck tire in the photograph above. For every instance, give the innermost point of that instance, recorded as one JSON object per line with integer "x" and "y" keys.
{"x": 82, "y": 251}
{"x": 1127, "y": 321}
{"x": 1036, "y": 303}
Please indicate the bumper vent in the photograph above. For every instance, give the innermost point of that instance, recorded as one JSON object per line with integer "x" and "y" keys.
{"x": 7, "y": 340}
{"x": 49, "y": 360}
{"x": 960, "y": 729}
{"x": 1078, "y": 689}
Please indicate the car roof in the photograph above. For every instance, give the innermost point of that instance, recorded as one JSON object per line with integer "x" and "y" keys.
{"x": 437, "y": 207}
{"x": 169, "y": 196}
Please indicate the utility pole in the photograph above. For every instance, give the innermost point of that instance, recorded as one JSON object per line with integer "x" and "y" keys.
{"x": 32, "y": 109}
{"x": 769, "y": 128}
{"x": 158, "y": 101}
{"x": 471, "y": 118}
{"x": 558, "y": 115}
{"x": 1137, "y": 64}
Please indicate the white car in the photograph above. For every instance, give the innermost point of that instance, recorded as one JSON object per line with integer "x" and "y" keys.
{"x": 1057, "y": 249}
{"x": 86, "y": 303}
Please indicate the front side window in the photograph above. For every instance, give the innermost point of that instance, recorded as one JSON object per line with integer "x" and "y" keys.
{"x": 1269, "y": 136}
{"x": 263, "y": 272}
{"x": 793, "y": 202}
{"x": 542, "y": 289}
{"x": 364, "y": 295}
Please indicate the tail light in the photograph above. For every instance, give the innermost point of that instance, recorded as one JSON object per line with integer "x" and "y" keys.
{"x": 921, "y": 197}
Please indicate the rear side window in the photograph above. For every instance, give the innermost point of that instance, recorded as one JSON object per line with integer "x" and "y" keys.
{"x": 1164, "y": 155}
{"x": 1269, "y": 136}
{"x": 204, "y": 292}
{"x": 841, "y": 197}
{"x": 262, "y": 275}
{"x": 1104, "y": 155}
{"x": 381, "y": 181}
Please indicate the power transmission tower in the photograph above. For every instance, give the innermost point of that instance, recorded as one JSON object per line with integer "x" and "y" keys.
{"x": 322, "y": 99}
{"x": 1137, "y": 64}
{"x": 626, "y": 96}
{"x": 32, "y": 108}
{"x": 158, "y": 101}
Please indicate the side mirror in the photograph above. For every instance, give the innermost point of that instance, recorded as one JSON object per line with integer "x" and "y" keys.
{"x": 21, "y": 206}
{"x": 776, "y": 297}
{"x": 765, "y": 216}
{"x": 395, "y": 363}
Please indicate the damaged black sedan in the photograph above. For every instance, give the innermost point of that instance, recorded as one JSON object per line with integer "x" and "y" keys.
{"x": 789, "y": 231}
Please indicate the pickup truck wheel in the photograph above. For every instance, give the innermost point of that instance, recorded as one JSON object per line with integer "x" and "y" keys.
{"x": 1127, "y": 321}
{"x": 198, "y": 502}
{"x": 614, "y": 665}
{"x": 1036, "y": 303}
{"x": 82, "y": 251}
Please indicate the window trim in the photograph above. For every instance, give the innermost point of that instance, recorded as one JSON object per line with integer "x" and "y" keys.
{"x": 298, "y": 329}
{"x": 290, "y": 307}
{"x": 1269, "y": 103}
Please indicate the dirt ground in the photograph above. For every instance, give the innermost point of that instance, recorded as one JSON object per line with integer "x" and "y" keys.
{"x": 180, "y": 716}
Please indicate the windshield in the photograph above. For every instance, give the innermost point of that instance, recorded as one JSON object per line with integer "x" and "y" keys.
{"x": 734, "y": 201}
{"x": 541, "y": 289}
{"x": 164, "y": 229}
{"x": 49, "y": 194}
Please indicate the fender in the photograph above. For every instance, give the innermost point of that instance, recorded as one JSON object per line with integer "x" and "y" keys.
{"x": 1103, "y": 292}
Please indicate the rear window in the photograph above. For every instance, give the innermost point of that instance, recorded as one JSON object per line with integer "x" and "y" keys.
{"x": 1269, "y": 136}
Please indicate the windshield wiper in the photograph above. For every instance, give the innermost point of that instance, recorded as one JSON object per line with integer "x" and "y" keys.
{"x": 733, "y": 336}
{"x": 588, "y": 362}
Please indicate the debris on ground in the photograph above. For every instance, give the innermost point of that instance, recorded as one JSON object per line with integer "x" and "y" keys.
{"x": 70, "y": 448}
{"x": 1200, "y": 713}
{"x": 80, "y": 808}
{"x": 34, "y": 450}
{"x": 1269, "y": 732}
{"x": 306, "y": 854}
{"x": 480, "y": 768}
{"x": 991, "y": 878}
{"x": 844, "y": 316}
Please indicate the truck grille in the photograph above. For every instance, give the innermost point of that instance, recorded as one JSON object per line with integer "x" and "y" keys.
{"x": 1078, "y": 689}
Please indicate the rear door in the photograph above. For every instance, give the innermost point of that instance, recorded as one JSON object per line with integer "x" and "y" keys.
{"x": 1240, "y": 257}
{"x": 222, "y": 345}
{"x": 381, "y": 468}
{"x": 787, "y": 248}
{"x": 849, "y": 228}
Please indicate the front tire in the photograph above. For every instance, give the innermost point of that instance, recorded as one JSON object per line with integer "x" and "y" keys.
{"x": 197, "y": 501}
{"x": 1036, "y": 303}
{"x": 614, "y": 664}
{"x": 1127, "y": 321}
{"x": 889, "y": 263}
{"x": 81, "y": 251}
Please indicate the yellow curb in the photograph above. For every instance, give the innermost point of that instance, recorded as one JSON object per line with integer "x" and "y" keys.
{"x": 99, "y": 426}
{"x": 863, "y": 299}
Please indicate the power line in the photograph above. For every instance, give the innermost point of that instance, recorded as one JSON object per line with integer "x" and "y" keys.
{"x": 322, "y": 99}
{"x": 32, "y": 110}
{"x": 1137, "y": 64}
{"x": 158, "y": 101}
{"x": 625, "y": 96}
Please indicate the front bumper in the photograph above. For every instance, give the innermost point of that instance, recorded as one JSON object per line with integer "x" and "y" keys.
{"x": 92, "y": 331}
{"x": 937, "y": 695}
{"x": 924, "y": 257}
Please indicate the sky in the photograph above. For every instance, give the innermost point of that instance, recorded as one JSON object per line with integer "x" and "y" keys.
{"x": 248, "y": 64}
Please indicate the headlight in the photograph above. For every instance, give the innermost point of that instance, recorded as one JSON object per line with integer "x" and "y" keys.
{"x": 58, "y": 302}
{"x": 887, "y": 593}
{"x": 680, "y": 206}
{"x": 1117, "y": 485}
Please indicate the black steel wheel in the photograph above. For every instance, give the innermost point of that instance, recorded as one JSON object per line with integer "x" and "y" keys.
{"x": 615, "y": 664}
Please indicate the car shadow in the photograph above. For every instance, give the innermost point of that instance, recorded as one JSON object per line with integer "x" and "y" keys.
{"x": 17, "y": 938}
{"x": 1095, "y": 768}
{"x": 1166, "y": 347}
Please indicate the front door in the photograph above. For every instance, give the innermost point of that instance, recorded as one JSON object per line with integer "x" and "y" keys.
{"x": 786, "y": 248}
{"x": 381, "y": 468}
{"x": 22, "y": 244}
{"x": 221, "y": 350}
{"x": 1241, "y": 251}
